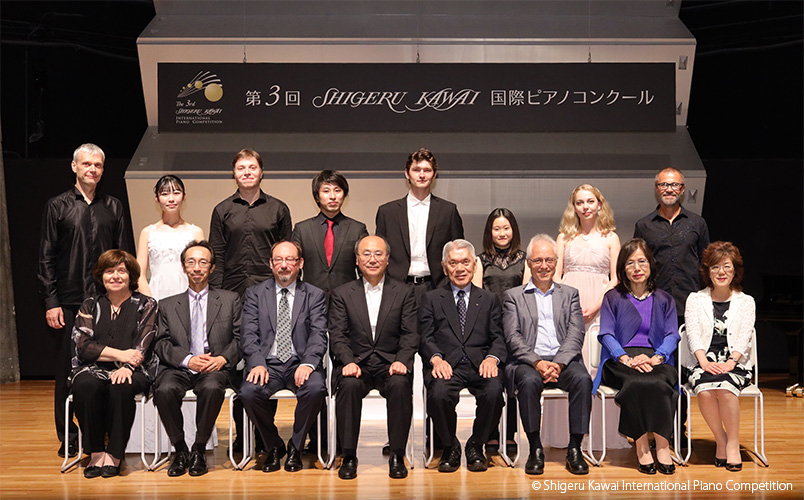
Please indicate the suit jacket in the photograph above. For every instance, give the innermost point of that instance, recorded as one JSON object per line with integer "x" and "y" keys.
{"x": 699, "y": 319}
{"x": 441, "y": 330}
{"x": 343, "y": 268}
{"x": 521, "y": 326}
{"x": 397, "y": 337}
{"x": 444, "y": 224}
{"x": 223, "y": 328}
{"x": 308, "y": 324}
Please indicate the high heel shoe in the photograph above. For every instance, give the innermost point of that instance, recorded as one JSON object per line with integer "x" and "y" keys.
{"x": 720, "y": 462}
{"x": 734, "y": 467}
{"x": 647, "y": 468}
{"x": 666, "y": 469}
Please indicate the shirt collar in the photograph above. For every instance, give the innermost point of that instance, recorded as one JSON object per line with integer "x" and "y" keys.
{"x": 455, "y": 289}
{"x": 198, "y": 295}
{"x": 322, "y": 219}
{"x": 658, "y": 215}
{"x": 367, "y": 287}
{"x": 291, "y": 288}
{"x": 238, "y": 199}
{"x": 413, "y": 201}
{"x": 531, "y": 288}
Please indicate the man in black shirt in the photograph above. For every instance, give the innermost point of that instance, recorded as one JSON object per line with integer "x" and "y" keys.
{"x": 244, "y": 226}
{"x": 77, "y": 226}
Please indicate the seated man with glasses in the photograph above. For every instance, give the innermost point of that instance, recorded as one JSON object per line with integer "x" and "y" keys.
{"x": 198, "y": 348}
{"x": 284, "y": 340}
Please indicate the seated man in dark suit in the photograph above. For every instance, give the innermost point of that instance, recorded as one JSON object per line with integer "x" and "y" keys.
{"x": 283, "y": 339}
{"x": 372, "y": 326}
{"x": 544, "y": 331}
{"x": 462, "y": 341}
{"x": 198, "y": 348}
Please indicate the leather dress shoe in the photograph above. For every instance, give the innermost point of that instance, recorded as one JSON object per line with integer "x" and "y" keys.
{"x": 647, "y": 468}
{"x": 179, "y": 464}
{"x": 475, "y": 460}
{"x": 734, "y": 467}
{"x": 272, "y": 458}
{"x": 396, "y": 467}
{"x": 91, "y": 471}
{"x": 294, "y": 461}
{"x": 535, "y": 463}
{"x": 666, "y": 469}
{"x": 576, "y": 463}
{"x": 720, "y": 462}
{"x": 110, "y": 470}
{"x": 72, "y": 449}
{"x": 450, "y": 459}
{"x": 348, "y": 468}
{"x": 198, "y": 463}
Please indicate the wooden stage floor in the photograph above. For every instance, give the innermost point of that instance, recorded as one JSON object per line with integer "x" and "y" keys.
{"x": 29, "y": 466}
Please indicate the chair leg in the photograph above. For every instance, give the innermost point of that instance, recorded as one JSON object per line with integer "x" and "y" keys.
{"x": 503, "y": 440}
{"x": 759, "y": 451}
{"x": 67, "y": 464}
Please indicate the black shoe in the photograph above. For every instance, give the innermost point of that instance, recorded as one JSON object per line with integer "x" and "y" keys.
{"x": 198, "y": 463}
{"x": 72, "y": 449}
{"x": 272, "y": 458}
{"x": 511, "y": 448}
{"x": 110, "y": 470}
{"x": 91, "y": 471}
{"x": 475, "y": 460}
{"x": 294, "y": 461}
{"x": 179, "y": 464}
{"x": 493, "y": 448}
{"x": 450, "y": 459}
{"x": 386, "y": 450}
{"x": 734, "y": 467}
{"x": 647, "y": 468}
{"x": 576, "y": 463}
{"x": 396, "y": 467}
{"x": 666, "y": 469}
{"x": 535, "y": 463}
{"x": 720, "y": 462}
{"x": 348, "y": 468}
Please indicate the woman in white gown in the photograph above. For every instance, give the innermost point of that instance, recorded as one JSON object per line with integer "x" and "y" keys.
{"x": 162, "y": 242}
{"x": 587, "y": 259}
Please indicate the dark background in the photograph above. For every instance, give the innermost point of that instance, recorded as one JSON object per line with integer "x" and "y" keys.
{"x": 69, "y": 74}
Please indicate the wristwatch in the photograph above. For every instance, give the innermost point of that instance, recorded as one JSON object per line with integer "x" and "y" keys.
{"x": 661, "y": 357}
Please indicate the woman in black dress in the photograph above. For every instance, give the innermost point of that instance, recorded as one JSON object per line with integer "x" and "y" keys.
{"x": 113, "y": 363}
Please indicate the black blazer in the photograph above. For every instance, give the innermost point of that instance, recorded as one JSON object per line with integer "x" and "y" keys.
{"x": 440, "y": 328}
{"x": 444, "y": 224}
{"x": 223, "y": 328}
{"x": 343, "y": 269}
{"x": 397, "y": 336}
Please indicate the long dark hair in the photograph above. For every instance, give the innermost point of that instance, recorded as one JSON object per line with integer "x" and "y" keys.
{"x": 488, "y": 243}
{"x": 628, "y": 249}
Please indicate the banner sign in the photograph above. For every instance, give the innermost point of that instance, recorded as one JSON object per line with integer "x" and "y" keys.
{"x": 480, "y": 97}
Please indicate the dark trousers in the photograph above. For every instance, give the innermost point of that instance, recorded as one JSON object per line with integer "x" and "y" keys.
{"x": 397, "y": 391}
{"x": 65, "y": 354}
{"x": 443, "y": 396}
{"x": 573, "y": 379}
{"x": 261, "y": 408}
{"x": 105, "y": 408}
{"x": 169, "y": 389}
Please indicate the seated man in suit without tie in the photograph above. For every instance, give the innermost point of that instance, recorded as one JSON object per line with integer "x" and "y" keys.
{"x": 463, "y": 344}
{"x": 372, "y": 326}
{"x": 198, "y": 348}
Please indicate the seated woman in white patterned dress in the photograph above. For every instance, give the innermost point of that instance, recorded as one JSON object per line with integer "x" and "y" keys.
{"x": 161, "y": 243}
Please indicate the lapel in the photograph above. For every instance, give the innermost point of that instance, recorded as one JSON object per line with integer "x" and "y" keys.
{"x": 340, "y": 238}
{"x": 270, "y": 303}
{"x": 533, "y": 312}
{"x": 472, "y": 311}
{"x": 360, "y": 305}
{"x": 183, "y": 312}
{"x": 402, "y": 212}
{"x": 298, "y": 302}
{"x": 319, "y": 248}
{"x": 558, "y": 308}
{"x": 432, "y": 218}
{"x": 709, "y": 312}
{"x": 451, "y": 312}
{"x": 388, "y": 295}
{"x": 213, "y": 308}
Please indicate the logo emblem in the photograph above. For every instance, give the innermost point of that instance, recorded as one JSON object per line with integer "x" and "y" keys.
{"x": 206, "y": 81}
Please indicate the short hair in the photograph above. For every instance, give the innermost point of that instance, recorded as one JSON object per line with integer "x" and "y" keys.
{"x": 541, "y": 237}
{"x": 714, "y": 253}
{"x": 628, "y": 248}
{"x": 247, "y": 153}
{"x": 423, "y": 154}
{"x": 570, "y": 225}
{"x": 294, "y": 243}
{"x": 668, "y": 169}
{"x": 458, "y": 244}
{"x": 113, "y": 258}
{"x": 90, "y": 149}
{"x": 167, "y": 182}
{"x": 387, "y": 245}
{"x": 488, "y": 242}
{"x": 329, "y": 177}
{"x": 199, "y": 243}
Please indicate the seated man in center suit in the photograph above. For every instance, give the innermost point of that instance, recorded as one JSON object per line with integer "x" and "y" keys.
{"x": 372, "y": 327}
{"x": 544, "y": 330}
{"x": 198, "y": 348}
{"x": 283, "y": 340}
{"x": 462, "y": 342}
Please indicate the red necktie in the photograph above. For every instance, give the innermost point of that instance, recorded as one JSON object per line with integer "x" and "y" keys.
{"x": 329, "y": 242}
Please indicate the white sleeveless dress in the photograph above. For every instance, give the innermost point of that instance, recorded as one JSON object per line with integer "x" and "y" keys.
{"x": 164, "y": 261}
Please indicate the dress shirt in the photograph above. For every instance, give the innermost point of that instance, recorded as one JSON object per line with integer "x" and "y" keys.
{"x": 74, "y": 234}
{"x": 242, "y": 235}
{"x": 546, "y": 338}
{"x": 455, "y": 290}
{"x": 418, "y": 214}
{"x": 203, "y": 295}
{"x": 678, "y": 250}
{"x": 373, "y": 301}
{"x": 322, "y": 220}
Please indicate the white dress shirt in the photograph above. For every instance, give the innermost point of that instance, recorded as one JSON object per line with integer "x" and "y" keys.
{"x": 373, "y": 301}
{"x": 547, "y": 344}
{"x": 418, "y": 214}
{"x": 193, "y": 296}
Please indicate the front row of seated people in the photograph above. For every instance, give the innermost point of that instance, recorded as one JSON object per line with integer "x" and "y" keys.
{"x": 465, "y": 336}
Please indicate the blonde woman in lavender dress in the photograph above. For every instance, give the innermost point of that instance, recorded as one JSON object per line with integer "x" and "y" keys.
{"x": 161, "y": 243}
{"x": 587, "y": 258}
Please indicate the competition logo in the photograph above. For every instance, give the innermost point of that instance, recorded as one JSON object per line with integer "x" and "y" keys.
{"x": 206, "y": 81}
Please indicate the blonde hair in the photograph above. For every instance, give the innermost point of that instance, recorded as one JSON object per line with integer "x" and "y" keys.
{"x": 570, "y": 223}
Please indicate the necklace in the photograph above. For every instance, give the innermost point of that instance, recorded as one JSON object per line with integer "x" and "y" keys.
{"x": 641, "y": 299}
{"x": 116, "y": 310}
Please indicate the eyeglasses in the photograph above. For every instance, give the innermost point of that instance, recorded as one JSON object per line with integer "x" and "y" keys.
{"x": 291, "y": 261}
{"x": 675, "y": 186}
{"x": 191, "y": 263}
{"x": 728, "y": 269}
{"x": 642, "y": 263}
{"x": 366, "y": 256}
{"x": 550, "y": 261}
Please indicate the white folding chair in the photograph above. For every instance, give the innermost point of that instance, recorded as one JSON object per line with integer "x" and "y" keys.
{"x": 752, "y": 391}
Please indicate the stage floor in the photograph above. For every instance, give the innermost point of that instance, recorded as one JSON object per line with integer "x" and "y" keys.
{"x": 29, "y": 466}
